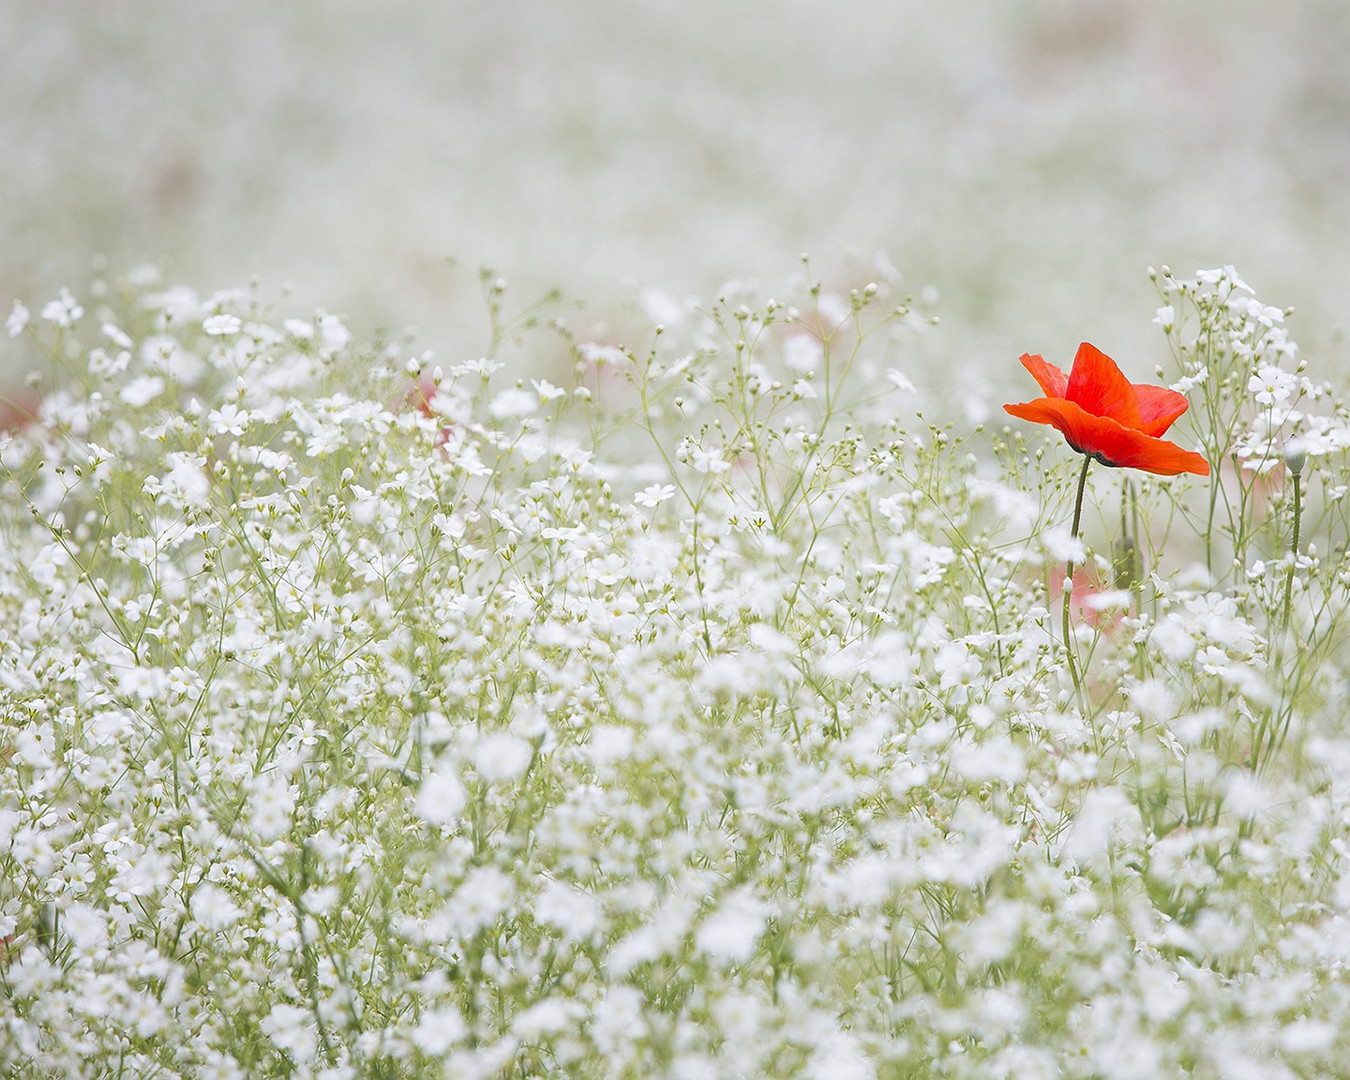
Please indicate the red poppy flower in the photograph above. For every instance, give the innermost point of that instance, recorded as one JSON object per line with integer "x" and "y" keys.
{"x": 1102, "y": 414}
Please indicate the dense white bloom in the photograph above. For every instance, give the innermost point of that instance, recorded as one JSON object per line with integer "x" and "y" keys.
{"x": 272, "y": 805}
{"x": 425, "y": 742}
{"x": 213, "y": 907}
{"x": 442, "y": 796}
{"x": 500, "y": 755}
{"x": 575, "y": 913}
{"x": 438, "y": 1030}
{"x": 731, "y": 931}
{"x": 478, "y": 902}
{"x": 291, "y": 1028}
{"x": 86, "y": 927}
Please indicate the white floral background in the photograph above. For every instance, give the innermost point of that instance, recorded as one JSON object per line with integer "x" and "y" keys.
{"x": 1027, "y": 160}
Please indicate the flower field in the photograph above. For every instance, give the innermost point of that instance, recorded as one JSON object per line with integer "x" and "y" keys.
{"x": 698, "y": 708}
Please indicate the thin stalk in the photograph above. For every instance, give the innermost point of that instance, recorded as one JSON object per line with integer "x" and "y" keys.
{"x": 1293, "y": 553}
{"x": 1068, "y": 583}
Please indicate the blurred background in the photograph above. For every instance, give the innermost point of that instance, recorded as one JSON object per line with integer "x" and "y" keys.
{"x": 1028, "y": 160}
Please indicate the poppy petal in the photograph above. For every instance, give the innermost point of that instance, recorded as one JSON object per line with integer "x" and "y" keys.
{"x": 1100, "y": 388}
{"x": 1052, "y": 380}
{"x": 1108, "y": 440}
{"x": 1158, "y": 407}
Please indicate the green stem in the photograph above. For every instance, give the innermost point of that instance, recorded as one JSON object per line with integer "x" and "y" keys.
{"x": 1293, "y": 554}
{"x": 1068, "y": 583}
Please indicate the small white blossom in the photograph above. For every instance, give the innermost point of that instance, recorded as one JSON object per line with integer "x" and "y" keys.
{"x": 141, "y": 390}
{"x": 900, "y": 381}
{"x": 501, "y": 756}
{"x": 1271, "y": 385}
{"x": 731, "y": 931}
{"x": 514, "y": 402}
{"x": 442, "y": 796}
{"x": 654, "y": 494}
{"x": 214, "y": 908}
{"x": 229, "y": 419}
{"x": 222, "y": 325}
{"x": 438, "y": 1030}
{"x": 292, "y": 1029}
{"x": 803, "y": 353}
{"x": 547, "y": 391}
{"x": 62, "y": 312}
{"x": 17, "y": 320}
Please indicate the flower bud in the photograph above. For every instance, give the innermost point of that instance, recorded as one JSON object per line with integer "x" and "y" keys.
{"x": 1295, "y": 454}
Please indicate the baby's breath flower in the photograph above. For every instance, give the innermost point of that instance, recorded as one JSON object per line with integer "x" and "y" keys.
{"x": 1270, "y": 385}
{"x": 17, "y": 320}
{"x": 62, "y": 312}
{"x": 222, "y": 325}
{"x": 654, "y": 494}
{"x": 361, "y": 718}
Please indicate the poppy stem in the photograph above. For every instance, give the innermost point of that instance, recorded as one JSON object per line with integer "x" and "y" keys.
{"x": 1068, "y": 581}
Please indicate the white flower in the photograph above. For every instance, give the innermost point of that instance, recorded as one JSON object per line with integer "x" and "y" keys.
{"x": 547, "y": 391}
{"x": 1187, "y": 383}
{"x": 1313, "y": 1037}
{"x": 229, "y": 419}
{"x": 601, "y": 354}
{"x": 214, "y": 908}
{"x": 222, "y": 325}
{"x": 730, "y": 932}
{"x": 333, "y": 334}
{"x": 803, "y": 353}
{"x": 514, "y": 402}
{"x": 478, "y": 902}
{"x": 141, "y": 390}
{"x": 291, "y": 1028}
{"x": 115, "y": 334}
{"x": 899, "y": 381}
{"x": 704, "y": 460}
{"x": 500, "y": 755}
{"x": 1173, "y": 639}
{"x": 63, "y": 311}
{"x": 574, "y": 912}
{"x": 272, "y": 804}
{"x": 654, "y": 494}
{"x": 545, "y": 1017}
{"x": 1271, "y": 385}
{"x": 438, "y": 1030}
{"x": 1166, "y": 317}
{"x": 187, "y": 480}
{"x": 441, "y": 797}
{"x": 957, "y": 670}
{"x": 17, "y": 321}
{"x": 86, "y": 926}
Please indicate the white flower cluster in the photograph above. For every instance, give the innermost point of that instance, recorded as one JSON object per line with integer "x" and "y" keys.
{"x": 1237, "y": 351}
{"x": 650, "y": 718}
